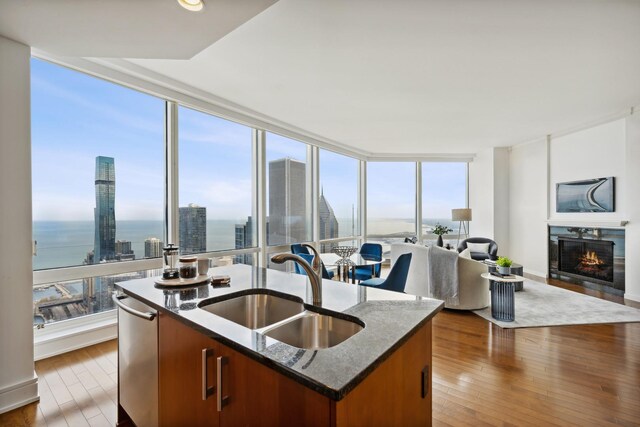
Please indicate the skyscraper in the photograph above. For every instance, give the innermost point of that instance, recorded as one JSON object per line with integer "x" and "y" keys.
{"x": 327, "y": 223}
{"x": 104, "y": 212}
{"x": 193, "y": 229}
{"x": 287, "y": 202}
{"x": 244, "y": 239}
{"x": 152, "y": 248}
{"x": 124, "y": 251}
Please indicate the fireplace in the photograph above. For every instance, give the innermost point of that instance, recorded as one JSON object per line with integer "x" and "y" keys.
{"x": 589, "y": 256}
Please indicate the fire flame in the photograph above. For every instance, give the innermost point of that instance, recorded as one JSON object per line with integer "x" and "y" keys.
{"x": 591, "y": 258}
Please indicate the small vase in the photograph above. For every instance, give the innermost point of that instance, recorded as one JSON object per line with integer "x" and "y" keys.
{"x": 440, "y": 242}
{"x": 504, "y": 270}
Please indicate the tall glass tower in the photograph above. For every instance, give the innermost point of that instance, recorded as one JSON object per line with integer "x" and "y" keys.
{"x": 193, "y": 229}
{"x": 104, "y": 212}
{"x": 287, "y": 202}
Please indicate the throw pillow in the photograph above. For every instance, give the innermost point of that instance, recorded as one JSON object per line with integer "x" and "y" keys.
{"x": 479, "y": 247}
{"x": 466, "y": 253}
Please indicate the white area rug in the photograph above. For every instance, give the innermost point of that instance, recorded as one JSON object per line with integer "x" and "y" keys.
{"x": 539, "y": 304}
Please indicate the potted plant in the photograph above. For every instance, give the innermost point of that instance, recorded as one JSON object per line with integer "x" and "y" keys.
{"x": 441, "y": 230}
{"x": 504, "y": 265}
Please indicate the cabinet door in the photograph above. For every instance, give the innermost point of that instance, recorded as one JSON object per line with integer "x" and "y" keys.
{"x": 255, "y": 395}
{"x": 181, "y": 373}
{"x": 398, "y": 392}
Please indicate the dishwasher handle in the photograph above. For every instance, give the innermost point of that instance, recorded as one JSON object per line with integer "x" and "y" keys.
{"x": 147, "y": 316}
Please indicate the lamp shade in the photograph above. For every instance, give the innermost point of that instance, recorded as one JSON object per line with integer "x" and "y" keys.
{"x": 463, "y": 214}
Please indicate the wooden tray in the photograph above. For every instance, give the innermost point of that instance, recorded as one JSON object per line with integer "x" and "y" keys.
{"x": 180, "y": 282}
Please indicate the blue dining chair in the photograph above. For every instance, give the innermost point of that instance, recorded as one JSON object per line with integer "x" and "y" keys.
{"x": 397, "y": 278}
{"x": 309, "y": 258}
{"x": 298, "y": 249}
{"x": 371, "y": 250}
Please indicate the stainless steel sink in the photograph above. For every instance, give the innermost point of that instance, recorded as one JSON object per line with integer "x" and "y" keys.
{"x": 254, "y": 311}
{"x": 314, "y": 331}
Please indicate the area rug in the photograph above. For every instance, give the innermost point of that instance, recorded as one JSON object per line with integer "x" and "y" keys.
{"x": 539, "y": 304}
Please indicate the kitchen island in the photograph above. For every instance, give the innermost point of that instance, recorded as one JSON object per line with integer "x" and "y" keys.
{"x": 379, "y": 376}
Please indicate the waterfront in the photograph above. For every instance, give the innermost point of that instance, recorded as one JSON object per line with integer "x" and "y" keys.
{"x": 66, "y": 243}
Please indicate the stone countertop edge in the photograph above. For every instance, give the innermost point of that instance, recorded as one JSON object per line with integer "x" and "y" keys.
{"x": 314, "y": 384}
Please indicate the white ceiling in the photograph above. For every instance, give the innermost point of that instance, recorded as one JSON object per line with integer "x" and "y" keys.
{"x": 123, "y": 28}
{"x": 422, "y": 76}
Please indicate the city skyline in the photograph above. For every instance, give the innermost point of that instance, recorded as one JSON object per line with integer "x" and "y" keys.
{"x": 129, "y": 126}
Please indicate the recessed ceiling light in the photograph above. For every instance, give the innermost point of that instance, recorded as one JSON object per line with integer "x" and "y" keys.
{"x": 192, "y": 5}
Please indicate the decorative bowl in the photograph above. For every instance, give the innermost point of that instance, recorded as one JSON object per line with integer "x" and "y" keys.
{"x": 345, "y": 252}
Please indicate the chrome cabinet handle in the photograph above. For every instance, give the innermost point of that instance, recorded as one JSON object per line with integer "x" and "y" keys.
{"x": 206, "y": 390}
{"x": 222, "y": 400}
{"x": 116, "y": 299}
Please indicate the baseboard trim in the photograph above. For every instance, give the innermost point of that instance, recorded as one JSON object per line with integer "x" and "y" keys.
{"x": 19, "y": 394}
{"x": 635, "y": 298}
{"x": 535, "y": 275}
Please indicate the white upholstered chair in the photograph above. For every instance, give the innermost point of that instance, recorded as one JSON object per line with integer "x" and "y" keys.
{"x": 473, "y": 290}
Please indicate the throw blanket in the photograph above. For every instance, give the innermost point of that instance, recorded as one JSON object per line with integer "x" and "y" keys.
{"x": 443, "y": 274}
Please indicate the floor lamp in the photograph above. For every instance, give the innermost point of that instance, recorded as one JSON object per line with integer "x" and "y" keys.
{"x": 462, "y": 215}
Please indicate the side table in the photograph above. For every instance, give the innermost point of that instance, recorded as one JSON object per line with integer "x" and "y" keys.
{"x": 516, "y": 269}
{"x": 503, "y": 305}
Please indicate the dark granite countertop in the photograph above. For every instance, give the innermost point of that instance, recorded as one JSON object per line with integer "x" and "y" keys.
{"x": 390, "y": 319}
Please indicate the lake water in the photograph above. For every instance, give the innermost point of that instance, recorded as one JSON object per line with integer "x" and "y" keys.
{"x": 66, "y": 243}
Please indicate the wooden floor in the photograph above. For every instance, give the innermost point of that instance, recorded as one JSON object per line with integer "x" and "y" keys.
{"x": 76, "y": 389}
{"x": 482, "y": 375}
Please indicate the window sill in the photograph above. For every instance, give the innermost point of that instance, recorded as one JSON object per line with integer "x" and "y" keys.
{"x": 67, "y": 335}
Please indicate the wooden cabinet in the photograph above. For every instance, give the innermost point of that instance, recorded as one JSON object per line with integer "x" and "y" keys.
{"x": 252, "y": 393}
{"x": 397, "y": 392}
{"x": 180, "y": 371}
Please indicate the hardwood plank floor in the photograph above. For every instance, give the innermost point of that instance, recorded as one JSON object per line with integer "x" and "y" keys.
{"x": 482, "y": 376}
{"x": 76, "y": 389}
{"x": 568, "y": 375}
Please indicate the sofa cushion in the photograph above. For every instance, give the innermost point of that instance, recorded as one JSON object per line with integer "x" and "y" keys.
{"x": 466, "y": 253}
{"x": 478, "y": 247}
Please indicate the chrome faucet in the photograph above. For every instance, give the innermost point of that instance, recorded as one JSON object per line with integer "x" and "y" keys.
{"x": 314, "y": 278}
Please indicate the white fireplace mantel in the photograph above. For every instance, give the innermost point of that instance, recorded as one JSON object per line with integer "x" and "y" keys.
{"x": 588, "y": 224}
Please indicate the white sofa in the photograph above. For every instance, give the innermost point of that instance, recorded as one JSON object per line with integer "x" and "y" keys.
{"x": 473, "y": 290}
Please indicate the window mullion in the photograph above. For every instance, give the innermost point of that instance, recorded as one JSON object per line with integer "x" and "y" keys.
{"x": 172, "y": 198}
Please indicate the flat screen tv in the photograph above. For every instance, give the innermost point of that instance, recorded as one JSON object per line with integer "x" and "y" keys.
{"x": 589, "y": 195}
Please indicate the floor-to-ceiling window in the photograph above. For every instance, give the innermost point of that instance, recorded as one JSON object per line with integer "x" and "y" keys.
{"x": 444, "y": 187}
{"x": 215, "y": 184}
{"x": 338, "y": 201}
{"x": 97, "y": 183}
{"x": 391, "y": 202}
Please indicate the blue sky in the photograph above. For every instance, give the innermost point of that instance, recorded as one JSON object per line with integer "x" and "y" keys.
{"x": 76, "y": 117}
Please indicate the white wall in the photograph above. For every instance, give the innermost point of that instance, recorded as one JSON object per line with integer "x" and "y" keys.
{"x": 528, "y": 206}
{"x": 632, "y": 200}
{"x": 18, "y": 383}
{"x": 501, "y": 185}
{"x": 592, "y": 153}
{"x": 481, "y": 194}
{"x": 489, "y": 196}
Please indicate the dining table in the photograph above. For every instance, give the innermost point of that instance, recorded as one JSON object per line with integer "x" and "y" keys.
{"x": 344, "y": 265}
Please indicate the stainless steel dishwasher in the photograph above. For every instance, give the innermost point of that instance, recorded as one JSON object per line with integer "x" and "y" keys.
{"x": 138, "y": 360}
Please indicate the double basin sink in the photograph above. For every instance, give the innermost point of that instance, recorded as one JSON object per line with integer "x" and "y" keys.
{"x": 284, "y": 318}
